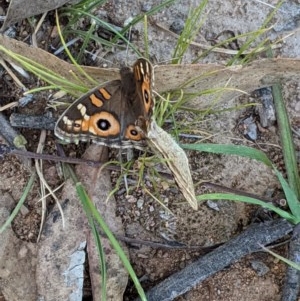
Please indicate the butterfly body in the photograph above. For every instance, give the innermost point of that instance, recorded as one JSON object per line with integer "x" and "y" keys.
{"x": 108, "y": 114}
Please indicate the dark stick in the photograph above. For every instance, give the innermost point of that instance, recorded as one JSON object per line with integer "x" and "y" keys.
{"x": 244, "y": 244}
{"x": 33, "y": 122}
{"x": 291, "y": 286}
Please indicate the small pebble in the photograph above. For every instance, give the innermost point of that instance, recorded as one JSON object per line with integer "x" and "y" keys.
{"x": 146, "y": 6}
{"x": 259, "y": 267}
{"x": 24, "y": 210}
{"x": 121, "y": 191}
{"x": 128, "y": 21}
{"x": 165, "y": 185}
{"x": 177, "y": 26}
{"x": 142, "y": 256}
{"x": 23, "y": 101}
{"x": 11, "y": 32}
{"x": 266, "y": 111}
{"x": 130, "y": 199}
{"x": 140, "y": 203}
{"x": 250, "y": 128}
{"x": 213, "y": 205}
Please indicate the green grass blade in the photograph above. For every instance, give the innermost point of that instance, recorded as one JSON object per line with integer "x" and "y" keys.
{"x": 227, "y": 149}
{"x": 234, "y": 197}
{"x": 285, "y": 260}
{"x": 83, "y": 197}
{"x": 80, "y": 69}
{"x": 20, "y": 203}
{"x": 119, "y": 34}
{"x": 191, "y": 28}
{"x": 290, "y": 195}
{"x": 286, "y": 139}
{"x": 86, "y": 39}
{"x": 47, "y": 75}
{"x": 82, "y": 34}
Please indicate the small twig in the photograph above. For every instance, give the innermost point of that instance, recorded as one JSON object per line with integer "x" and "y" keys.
{"x": 38, "y": 167}
{"x": 18, "y": 82}
{"x": 190, "y": 136}
{"x": 54, "y": 190}
{"x": 4, "y": 149}
{"x": 39, "y": 24}
{"x": 169, "y": 245}
{"x": 9, "y": 106}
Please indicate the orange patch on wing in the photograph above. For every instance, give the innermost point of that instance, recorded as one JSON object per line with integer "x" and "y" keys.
{"x": 105, "y": 93}
{"x": 133, "y": 134}
{"x": 146, "y": 89}
{"x": 137, "y": 73}
{"x": 96, "y": 101}
{"x": 85, "y": 125}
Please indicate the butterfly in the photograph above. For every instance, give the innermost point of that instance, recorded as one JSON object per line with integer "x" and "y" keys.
{"x": 118, "y": 114}
{"x": 112, "y": 114}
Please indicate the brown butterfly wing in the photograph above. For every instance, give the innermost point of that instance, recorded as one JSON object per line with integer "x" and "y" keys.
{"x": 108, "y": 113}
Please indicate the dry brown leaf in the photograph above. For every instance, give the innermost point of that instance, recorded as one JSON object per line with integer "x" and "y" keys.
{"x": 190, "y": 78}
{"x": 163, "y": 144}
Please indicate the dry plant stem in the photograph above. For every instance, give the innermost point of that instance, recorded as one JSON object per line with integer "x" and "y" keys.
{"x": 257, "y": 74}
{"x": 171, "y": 245}
{"x": 70, "y": 160}
{"x": 39, "y": 168}
{"x": 9, "y": 106}
{"x": 244, "y": 244}
{"x": 45, "y": 184}
{"x": 54, "y": 190}
{"x": 291, "y": 286}
{"x": 17, "y": 81}
{"x": 39, "y": 24}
